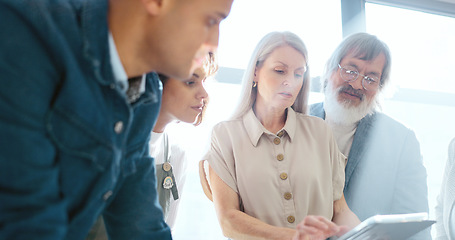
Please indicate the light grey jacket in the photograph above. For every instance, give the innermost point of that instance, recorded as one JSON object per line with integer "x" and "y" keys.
{"x": 445, "y": 215}
{"x": 385, "y": 172}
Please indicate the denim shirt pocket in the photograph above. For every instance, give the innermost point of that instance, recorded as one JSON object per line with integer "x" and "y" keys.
{"x": 88, "y": 165}
{"x": 75, "y": 138}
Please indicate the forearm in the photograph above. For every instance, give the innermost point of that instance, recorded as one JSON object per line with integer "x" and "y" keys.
{"x": 346, "y": 218}
{"x": 342, "y": 215}
{"x": 238, "y": 225}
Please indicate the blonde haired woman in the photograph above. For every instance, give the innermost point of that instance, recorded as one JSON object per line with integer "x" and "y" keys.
{"x": 271, "y": 165}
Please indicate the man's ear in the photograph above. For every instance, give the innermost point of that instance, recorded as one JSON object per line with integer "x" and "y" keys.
{"x": 153, "y": 7}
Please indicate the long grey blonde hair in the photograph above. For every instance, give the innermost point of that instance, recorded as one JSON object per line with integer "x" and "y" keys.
{"x": 265, "y": 47}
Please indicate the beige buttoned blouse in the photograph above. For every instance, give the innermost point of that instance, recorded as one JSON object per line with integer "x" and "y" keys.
{"x": 282, "y": 177}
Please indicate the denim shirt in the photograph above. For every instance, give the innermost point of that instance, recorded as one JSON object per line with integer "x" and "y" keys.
{"x": 71, "y": 146}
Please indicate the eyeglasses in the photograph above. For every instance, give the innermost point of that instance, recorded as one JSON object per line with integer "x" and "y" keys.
{"x": 350, "y": 74}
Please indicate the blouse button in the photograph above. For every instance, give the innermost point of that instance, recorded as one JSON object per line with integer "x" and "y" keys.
{"x": 280, "y": 157}
{"x": 284, "y": 176}
{"x": 276, "y": 141}
{"x": 287, "y": 195}
{"x": 118, "y": 127}
{"x": 291, "y": 219}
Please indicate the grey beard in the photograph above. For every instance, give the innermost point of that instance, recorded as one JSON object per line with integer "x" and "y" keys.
{"x": 344, "y": 113}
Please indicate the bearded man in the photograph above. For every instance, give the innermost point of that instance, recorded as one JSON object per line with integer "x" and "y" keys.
{"x": 384, "y": 173}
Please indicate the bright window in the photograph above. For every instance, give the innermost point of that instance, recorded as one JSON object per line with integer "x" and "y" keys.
{"x": 423, "y": 48}
{"x": 318, "y": 23}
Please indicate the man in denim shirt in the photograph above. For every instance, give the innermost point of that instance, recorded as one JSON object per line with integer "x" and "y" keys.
{"x": 73, "y": 129}
{"x": 384, "y": 172}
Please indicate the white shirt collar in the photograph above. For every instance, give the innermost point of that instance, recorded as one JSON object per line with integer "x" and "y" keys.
{"x": 119, "y": 72}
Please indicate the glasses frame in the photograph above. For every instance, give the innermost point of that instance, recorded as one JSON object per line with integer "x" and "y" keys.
{"x": 364, "y": 78}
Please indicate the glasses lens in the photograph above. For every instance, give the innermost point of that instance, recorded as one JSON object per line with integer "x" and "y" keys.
{"x": 348, "y": 73}
{"x": 370, "y": 83}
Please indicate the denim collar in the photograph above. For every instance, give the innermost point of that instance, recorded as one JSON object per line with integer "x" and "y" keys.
{"x": 94, "y": 29}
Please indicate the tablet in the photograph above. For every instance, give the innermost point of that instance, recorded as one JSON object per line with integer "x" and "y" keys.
{"x": 389, "y": 227}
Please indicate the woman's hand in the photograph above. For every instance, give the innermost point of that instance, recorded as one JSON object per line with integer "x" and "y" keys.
{"x": 317, "y": 228}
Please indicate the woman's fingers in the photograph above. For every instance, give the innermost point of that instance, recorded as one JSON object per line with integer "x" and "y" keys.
{"x": 316, "y": 227}
{"x": 319, "y": 222}
{"x": 343, "y": 230}
{"x": 311, "y": 230}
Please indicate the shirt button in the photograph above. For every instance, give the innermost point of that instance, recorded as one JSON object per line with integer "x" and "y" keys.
{"x": 107, "y": 195}
{"x": 277, "y": 141}
{"x": 287, "y": 195}
{"x": 291, "y": 219}
{"x": 280, "y": 134}
{"x": 112, "y": 85}
{"x": 284, "y": 176}
{"x": 280, "y": 157}
{"x": 118, "y": 127}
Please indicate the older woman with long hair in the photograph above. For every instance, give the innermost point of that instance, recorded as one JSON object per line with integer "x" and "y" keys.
{"x": 271, "y": 165}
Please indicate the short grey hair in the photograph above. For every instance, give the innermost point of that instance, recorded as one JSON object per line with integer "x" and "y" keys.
{"x": 265, "y": 47}
{"x": 364, "y": 46}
